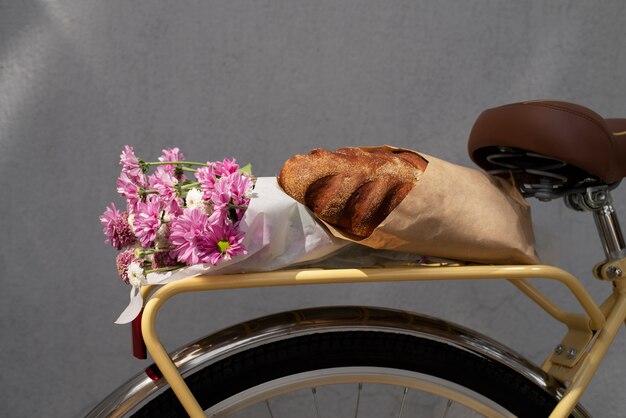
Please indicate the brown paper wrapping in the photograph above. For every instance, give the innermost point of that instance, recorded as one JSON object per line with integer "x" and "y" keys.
{"x": 458, "y": 213}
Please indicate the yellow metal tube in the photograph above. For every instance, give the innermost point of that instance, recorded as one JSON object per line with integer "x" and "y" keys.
{"x": 163, "y": 360}
{"x": 593, "y": 358}
{"x": 319, "y": 276}
{"x": 146, "y": 290}
{"x": 572, "y": 320}
{"x": 607, "y": 305}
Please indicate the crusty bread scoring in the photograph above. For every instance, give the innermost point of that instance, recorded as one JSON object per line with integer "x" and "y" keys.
{"x": 353, "y": 189}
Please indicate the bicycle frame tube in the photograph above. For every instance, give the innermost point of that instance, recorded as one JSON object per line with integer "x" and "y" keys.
{"x": 593, "y": 322}
{"x": 583, "y": 373}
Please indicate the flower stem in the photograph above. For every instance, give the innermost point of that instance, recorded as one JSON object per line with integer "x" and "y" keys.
{"x": 190, "y": 185}
{"x": 142, "y": 252}
{"x": 162, "y": 269}
{"x": 176, "y": 163}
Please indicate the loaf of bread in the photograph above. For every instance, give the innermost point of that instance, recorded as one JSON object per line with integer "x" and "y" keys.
{"x": 353, "y": 189}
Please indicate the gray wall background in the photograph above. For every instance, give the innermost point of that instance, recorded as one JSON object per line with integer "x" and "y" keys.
{"x": 262, "y": 80}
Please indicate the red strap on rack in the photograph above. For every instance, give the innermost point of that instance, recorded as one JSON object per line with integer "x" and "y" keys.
{"x": 139, "y": 345}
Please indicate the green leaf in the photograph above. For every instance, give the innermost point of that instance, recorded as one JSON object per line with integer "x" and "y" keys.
{"x": 246, "y": 169}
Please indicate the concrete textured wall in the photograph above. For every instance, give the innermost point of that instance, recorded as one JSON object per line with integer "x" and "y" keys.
{"x": 262, "y": 80}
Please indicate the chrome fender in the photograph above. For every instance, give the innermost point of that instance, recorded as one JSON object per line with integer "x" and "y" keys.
{"x": 140, "y": 389}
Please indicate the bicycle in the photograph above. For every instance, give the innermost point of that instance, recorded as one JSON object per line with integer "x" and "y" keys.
{"x": 553, "y": 150}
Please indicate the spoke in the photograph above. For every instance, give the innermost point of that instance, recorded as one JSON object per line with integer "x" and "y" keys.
{"x": 448, "y": 405}
{"x": 268, "y": 408}
{"x": 358, "y": 400}
{"x": 406, "y": 390}
{"x": 317, "y": 407}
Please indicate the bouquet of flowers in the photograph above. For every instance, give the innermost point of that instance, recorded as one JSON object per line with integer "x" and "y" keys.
{"x": 181, "y": 214}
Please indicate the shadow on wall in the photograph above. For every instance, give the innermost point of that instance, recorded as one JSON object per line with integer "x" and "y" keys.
{"x": 18, "y": 19}
{"x": 50, "y": 115}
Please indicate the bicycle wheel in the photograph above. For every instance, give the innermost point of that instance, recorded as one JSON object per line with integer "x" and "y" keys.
{"x": 362, "y": 372}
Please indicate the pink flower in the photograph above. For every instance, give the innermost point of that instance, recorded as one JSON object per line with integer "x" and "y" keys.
{"x": 188, "y": 236}
{"x": 131, "y": 166}
{"x": 223, "y": 242}
{"x": 127, "y": 188}
{"x": 116, "y": 227}
{"x": 205, "y": 231}
{"x": 123, "y": 260}
{"x": 226, "y": 167}
{"x": 221, "y": 194}
{"x": 232, "y": 189}
{"x": 147, "y": 221}
{"x": 165, "y": 183}
{"x": 171, "y": 154}
{"x": 219, "y": 216}
{"x": 240, "y": 188}
{"x": 207, "y": 179}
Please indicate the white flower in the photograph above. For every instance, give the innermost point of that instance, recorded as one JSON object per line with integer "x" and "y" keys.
{"x": 161, "y": 237}
{"x": 131, "y": 222}
{"x": 194, "y": 199}
{"x": 136, "y": 275}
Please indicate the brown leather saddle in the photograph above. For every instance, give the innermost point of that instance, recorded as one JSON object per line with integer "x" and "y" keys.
{"x": 550, "y": 147}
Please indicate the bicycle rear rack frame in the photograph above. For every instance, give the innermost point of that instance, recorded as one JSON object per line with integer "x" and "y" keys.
{"x": 589, "y": 334}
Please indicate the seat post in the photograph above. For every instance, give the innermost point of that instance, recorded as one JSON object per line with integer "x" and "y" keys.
{"x": 598, "y": 200}
{"x": 610, "y": 232}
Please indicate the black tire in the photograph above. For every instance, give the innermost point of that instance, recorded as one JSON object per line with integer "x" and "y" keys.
{"x": 328, "y": 350}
